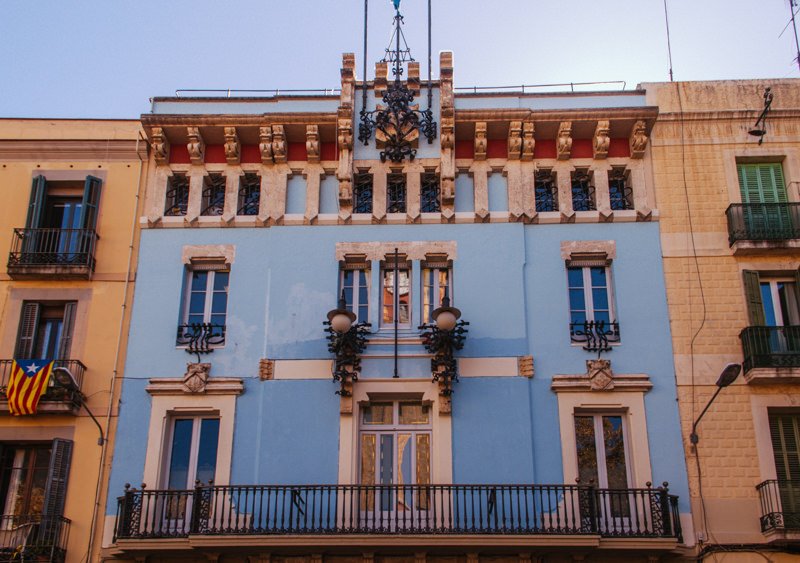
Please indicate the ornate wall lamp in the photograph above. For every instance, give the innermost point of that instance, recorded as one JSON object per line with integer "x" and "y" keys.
{"x": 444, "y": 336}
{"x": 346, "y": 341}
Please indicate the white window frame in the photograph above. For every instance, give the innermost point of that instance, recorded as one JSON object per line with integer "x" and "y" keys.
{"x": 356, "y": 303}
{"x": 429, "y": 271}
{"x": 209, "y": 293}
{"x": 600, "y": 446}
{"x": 194, "y": 447}
{"x": 587, "y": 292}
{"x": 389, "y": 267}
{"x": 776, "y": 301}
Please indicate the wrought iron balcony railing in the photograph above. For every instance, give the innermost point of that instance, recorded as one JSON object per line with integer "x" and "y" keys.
{"x": 53, "y": 394}
{"x": 59, "y": 248}
{"x": 398, "y": 509}
{"x": 33, "y": 537}
{"x": 763, "y": 221}
{"x": 200, "y": 338}
{"x": 770, "y": 347}
{"x": 596, "y": 336}
{"x": 780, "y": 505}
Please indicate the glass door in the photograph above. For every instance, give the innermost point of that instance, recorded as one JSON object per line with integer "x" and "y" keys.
{"x": 779, "y": 298}
{"x": 395, "y": 466}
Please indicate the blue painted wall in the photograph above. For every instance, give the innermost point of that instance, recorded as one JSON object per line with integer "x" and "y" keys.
{"x": 510, "y": 282}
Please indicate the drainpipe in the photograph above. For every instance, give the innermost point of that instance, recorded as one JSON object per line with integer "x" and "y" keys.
{"x": 115, "y": 372}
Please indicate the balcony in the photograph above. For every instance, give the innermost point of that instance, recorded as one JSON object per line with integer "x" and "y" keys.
{"x": 780, "y": 509}
{"x": 52, "y": 253}
{"x": 595, "y": 336}
{"x": 200, "y": 338}
{"x": 771, "y": 353}
{"x": 376, "y": 515}
{"x": 55, "y": 400}
{"x": 33, "y": 538}
{"x": 755, "y": 227}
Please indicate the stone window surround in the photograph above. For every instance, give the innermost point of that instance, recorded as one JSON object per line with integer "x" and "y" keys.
{"x": 788, "y": 157}
{"x": 760, "y": 405}
{"x": 13, "y": 309}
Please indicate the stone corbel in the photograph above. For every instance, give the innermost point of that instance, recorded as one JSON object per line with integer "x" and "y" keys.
{"x": 413, "y": 77}
{"x": 514, "y": 140}
{"x": 447, "y": 175}
{"x": 196, "y": 146}
{"x": 601, "y": 140}
{"x": 381, "y": 73}
{"x": 159, "y": 145}
{"x": 480, "y": 141}
{"x": 528, "y": 141}
{"x": 344, "y": 171}
{"x": 279, "y": 155}
{"x": 312, "y": 143}
{"x": 638, "y": 140}
{"x": 564, "y": 140}
{"x": 265, "y": 144}
{"x": 232, "y": 146}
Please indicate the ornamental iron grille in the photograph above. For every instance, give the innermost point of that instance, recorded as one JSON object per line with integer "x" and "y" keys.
{"x": 200, "y": 338}
{"x": 249, "y": 194}
{"x": 596, "y": 336}
{"x": 213, "y": 194}
{"x": 398, "y": 123}
{"x": 177, "y": 195}
{"x": 443, "y": 344}
{"x": 620, "y": 193}
{"x": 582, "y": 192}
{"x": 362, "y": 193}
{"x": 545, "y": 191}
{"x": 429, "y": 193}
{"x": 396, "y": 193}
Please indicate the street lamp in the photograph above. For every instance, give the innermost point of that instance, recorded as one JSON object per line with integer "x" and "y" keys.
{"x": 346, "y": 341}
{"x": 728, "y": 376}
{"x": 65, "y": 380}
{"x": 442, "y": 338}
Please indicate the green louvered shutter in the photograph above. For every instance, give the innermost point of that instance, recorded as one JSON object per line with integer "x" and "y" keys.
{"x": 55, "y": 492}
{"x": 785, "y": 431}
{"x": 36, "y": 203}
{"x": 762, "y": 183}
{"x": 752, "y": 292}
{"x": 29, "y": 320}
{"x": 91, "y": 197}
{"x": 66, "y": 330}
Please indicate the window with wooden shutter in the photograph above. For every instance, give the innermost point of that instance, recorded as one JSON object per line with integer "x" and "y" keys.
{"x": 36, "y": 204}
{"x": 762, "y": 183}
{"x": 45, "y": 330}
{"x": 28, "y": 322}
{"x": 785, "y": 431}
{"x": 66, "y": 330}
{"x": 57, "y": 475}
{"x": 752, "y": 292}
{"x": 91, "y": 198}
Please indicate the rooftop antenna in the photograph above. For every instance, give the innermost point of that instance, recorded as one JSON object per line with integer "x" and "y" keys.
{"x": 669, "y": 46}
{"x": 760, "y": 128}
{"x": 792, "y": 4}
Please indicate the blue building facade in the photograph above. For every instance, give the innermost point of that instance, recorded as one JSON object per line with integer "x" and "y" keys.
{"x": 534, "y": 215}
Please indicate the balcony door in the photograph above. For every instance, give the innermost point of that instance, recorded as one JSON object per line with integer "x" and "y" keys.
{"x": 785, "y": 432}
{"x": 395, "y": 464}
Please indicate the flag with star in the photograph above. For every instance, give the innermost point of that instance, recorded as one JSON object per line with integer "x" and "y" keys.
{"x": 28, "y": 381}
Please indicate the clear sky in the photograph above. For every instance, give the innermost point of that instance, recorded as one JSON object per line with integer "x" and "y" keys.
{"x": 105, "y": 58}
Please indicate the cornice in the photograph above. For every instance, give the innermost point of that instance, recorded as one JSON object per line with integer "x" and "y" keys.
{"x": 727, "y": 115}
{"x": 214, "y": 386}
{"x": 586, "y": 114}
{"x": 95, "y": 150}
{"x": 232, "y": 120}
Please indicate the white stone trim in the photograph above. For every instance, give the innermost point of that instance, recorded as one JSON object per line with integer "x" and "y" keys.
{"x": 760, "y": 405}
{"x": 414, "y": 250}
{"x": 570, "y": 247}
{"x": 194, "y": 251}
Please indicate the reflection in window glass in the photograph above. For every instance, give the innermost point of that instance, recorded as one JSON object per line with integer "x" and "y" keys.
{"x": 413, "y": 413}
{"x": 378, "y": 413}
{"x": 403, "y": 296}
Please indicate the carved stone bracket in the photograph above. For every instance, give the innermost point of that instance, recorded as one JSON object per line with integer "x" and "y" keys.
{"x": 232, "y": 146}
{"x": 159, "y": 145}
{"x": 525, "y": 366}
{"x": 514, "y": 140}
{"x": 601, "y": 140}
{"x": 638, "y": 140}
{"x": 266, "y": 369}
{"x": 564, "y": 140}
{"x": 312, "y": 143}
{"x": 480, "y": 141}
{"x": 265, "y": 144}
{"x": 196, "y": 146}
{"x": 279, "y": 154}
{"x": 528, "y": 142}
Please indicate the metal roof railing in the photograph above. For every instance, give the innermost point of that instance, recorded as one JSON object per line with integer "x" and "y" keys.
{"x": 522, "y": 87}
{"x": 223, "y": 93}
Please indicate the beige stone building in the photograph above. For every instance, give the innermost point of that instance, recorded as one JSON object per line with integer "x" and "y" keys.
{"x": 729, "y": 231}
{"x": 68, "y": 236}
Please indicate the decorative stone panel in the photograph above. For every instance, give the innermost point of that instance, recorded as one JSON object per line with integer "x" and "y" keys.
{"x": 266, "y": 369}
{"x": 159, "y": 145}
{"x": 525, "y": 366}
{"x": 564, "y": 140}
{"x": 232, "y": 146}
{"x": 638, "y": 140}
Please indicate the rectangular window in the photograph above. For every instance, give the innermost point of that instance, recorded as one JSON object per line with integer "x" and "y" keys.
{"x": 762, "y": 183}
{"x": 33, "y": 477}
{"x": 362, "y": 193}
{"x": 590, "y": 297}
{"x": 396, "y": 294}
{"x": 546, "y": 191}
{"x": 192, "y": 452}
{"x": 602, "y": 458}
{"x": 206, "y": 298}
{"x": 355, "y": 285}
{"x": 177, "y": 198}
{"x": 436, "y": 284}
{"x": 583, "y": 191}
{"x": 785, "y": 433}
{"x": 396, "y": 193}
{"x": 45, "y": 330}
{"x": 620, "y": 193}
{"x": 249, "y": 194}
{"x": 429, "y": 201}
{"x": 213, "y": 195}
{"x": 63, "y": 204}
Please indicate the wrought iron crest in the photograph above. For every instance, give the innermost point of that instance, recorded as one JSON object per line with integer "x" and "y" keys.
{"x": 398, "y": 123}
{"x": 347, "y": 348}
{"x": 443, "y": 344}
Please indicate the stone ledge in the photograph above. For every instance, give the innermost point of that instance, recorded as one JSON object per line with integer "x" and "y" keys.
{"x": 758, "y": 376}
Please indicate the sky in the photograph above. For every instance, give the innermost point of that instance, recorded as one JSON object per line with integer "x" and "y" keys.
{"x": 106, "y": 58}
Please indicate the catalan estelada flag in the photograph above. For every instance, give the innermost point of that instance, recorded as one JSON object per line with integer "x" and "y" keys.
{"x": 29, "y": 379}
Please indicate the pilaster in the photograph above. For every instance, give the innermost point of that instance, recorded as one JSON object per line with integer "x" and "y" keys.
{"x": 267, "y": 189}
{"x": 638, "y": 183}
{"x": 413, "y": 172}
{"x": 196, "y": 175}
{"x": 379, "y": 172}
{"x": 480, "y": 171}
{"x": 602, "y": 198}
{"x": 513, "y": 174}
{"x": 528, "y": 183}
{"x": 563, "y": 172}
{"x": 313, "y": 174}
{"x": 277, "y": 197}
{"x": 158, "y": 195}
{"x": 232, "y": 175}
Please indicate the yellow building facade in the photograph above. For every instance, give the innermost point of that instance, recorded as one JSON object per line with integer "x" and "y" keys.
{"x": 730, "y": 237}
{"x": 68, "y": 230}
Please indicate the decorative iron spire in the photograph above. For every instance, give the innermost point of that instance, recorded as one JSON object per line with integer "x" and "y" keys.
{"x": 398, "y": 124}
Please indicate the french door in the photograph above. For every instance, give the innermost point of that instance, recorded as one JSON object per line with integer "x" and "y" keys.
{"x": 395, "y": 464}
